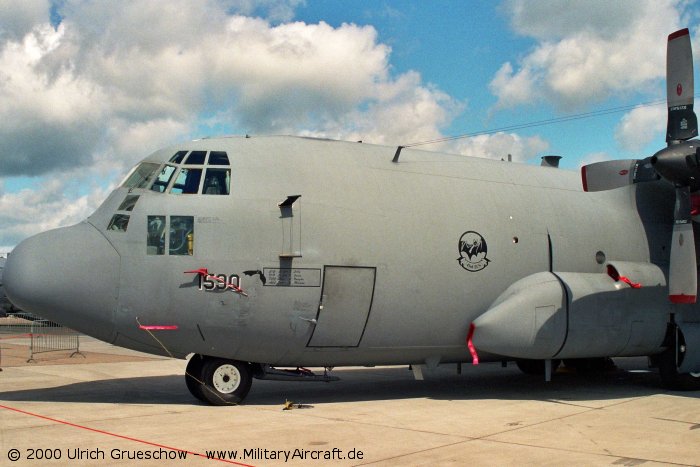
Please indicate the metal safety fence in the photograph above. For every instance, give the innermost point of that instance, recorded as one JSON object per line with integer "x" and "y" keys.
{"x": 40, "y": 336}
{"x": 47, "y": 336}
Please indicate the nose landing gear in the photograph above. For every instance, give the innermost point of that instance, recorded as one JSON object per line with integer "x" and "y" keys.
{"x": 218, "y": 381}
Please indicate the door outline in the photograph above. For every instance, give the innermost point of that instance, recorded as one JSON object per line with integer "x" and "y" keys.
{"x": 369, "y": 308}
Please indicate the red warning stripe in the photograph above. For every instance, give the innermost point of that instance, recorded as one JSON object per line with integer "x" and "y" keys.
{"x": 682, "y": 298}
{"x": 634, "y": 285}
{"x": 200, "y": 271}
{"x": 616, "y": 276}
{"x": 159, "y": 327}
{"x": 677, "y": 34}
{"x": 470, "y": 345}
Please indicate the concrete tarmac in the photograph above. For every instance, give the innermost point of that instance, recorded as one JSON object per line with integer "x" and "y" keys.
{"x": 134, "y": 409}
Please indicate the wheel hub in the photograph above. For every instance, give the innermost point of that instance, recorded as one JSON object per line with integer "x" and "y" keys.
{"x": 226, "y": 379}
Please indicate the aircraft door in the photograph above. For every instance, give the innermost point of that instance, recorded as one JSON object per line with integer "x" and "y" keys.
{"x": 346, "y": 300}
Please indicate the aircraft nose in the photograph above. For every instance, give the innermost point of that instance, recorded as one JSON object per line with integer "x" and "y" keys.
{"x": 68, "y": 275}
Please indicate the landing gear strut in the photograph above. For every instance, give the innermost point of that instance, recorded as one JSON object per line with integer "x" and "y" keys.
{"x": 670, "y": 359}
{"x": 536, "y": 367}
{"x": 218, "y": 381}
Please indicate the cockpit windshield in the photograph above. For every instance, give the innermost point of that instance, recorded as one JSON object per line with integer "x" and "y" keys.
{"x": 218, "y": 158}
{"x": 177, "y": 158}
{"x": 196, "y": 158}
{"x": 187, "y": 172}
{"x": 187, "y": 181}
{"x": 217, "y": 182}
{"x": 163, "y": 178}
{"x": 141, "y": 176}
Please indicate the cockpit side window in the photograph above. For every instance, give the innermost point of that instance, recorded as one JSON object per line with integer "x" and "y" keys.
{"x": 155, "y": 241}
{"x": 119, "y": 223}
{"x": 163, "y": 178}
{"x": 128, "y": 203}
{"x": 217, "y": 182}
{"x": 180, "y": 238}
{"x": 181, "y": 235}
{"x": 141, "y": 176}
{"x": 187, "y": 181}
{"x": 196, "y": 158}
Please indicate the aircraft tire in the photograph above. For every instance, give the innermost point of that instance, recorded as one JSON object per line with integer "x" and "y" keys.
{"x": 194, "y": 378}
{"x": 535, "y": 367}
{"x": 671, "y": 378}
{"x": 226, "y": 382}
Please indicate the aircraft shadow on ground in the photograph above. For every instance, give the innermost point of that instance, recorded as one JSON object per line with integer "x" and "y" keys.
{"x": 361, "y": 385}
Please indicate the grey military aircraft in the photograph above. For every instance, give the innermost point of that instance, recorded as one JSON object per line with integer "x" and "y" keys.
{"x": 256, "y": 254}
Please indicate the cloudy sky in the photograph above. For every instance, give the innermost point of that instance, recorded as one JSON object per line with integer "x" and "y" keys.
{"x": 88, "y": 88}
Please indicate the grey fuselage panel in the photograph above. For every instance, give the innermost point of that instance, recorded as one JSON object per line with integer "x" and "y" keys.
{"x": 420, "y": 249}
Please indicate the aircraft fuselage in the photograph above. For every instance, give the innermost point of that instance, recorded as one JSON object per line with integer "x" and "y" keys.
{"x": 375, "y": 263}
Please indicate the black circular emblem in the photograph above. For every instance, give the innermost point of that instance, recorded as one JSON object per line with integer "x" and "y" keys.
{"x": 472, "y": 251}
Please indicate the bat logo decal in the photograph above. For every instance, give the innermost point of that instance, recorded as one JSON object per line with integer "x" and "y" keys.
{"x": 472, "y": 251}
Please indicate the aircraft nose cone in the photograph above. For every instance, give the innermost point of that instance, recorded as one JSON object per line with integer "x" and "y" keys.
{"x": 68, "y": 275}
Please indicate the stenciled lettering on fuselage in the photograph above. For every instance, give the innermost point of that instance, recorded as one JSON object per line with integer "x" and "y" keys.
{"x": 219, "y": 281}
{"x": 472, "y": 251}
{"x": 293, "y": 277}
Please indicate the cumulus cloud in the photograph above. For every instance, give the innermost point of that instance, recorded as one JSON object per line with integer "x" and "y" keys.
{"x": 400, "y": 111}
{"x": 586, "y": 50}
{"x": 47, "y": 207}
{"x": 46, "y": 122}
{"x": 640, "y": 126}
{"x": 273, "y": 10}
{"x": 18, "y": 17}
{"x": 297, "y": 75}
{"x": 130, "y": 66}
{"x": 594, "y": 157}
{"x": 556, "y": 19}
{"x": 499, "y": 145}
{"x": 133, "y": 140}
{"x": 89, "y": 88}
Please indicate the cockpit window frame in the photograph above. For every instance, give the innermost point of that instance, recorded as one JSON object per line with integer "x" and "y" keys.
{"x": 178, "y": 157}
{"x": 223, "y": 185}
{"x": 156, "y": 231}
{"x": 176, "y": 186}
{"x": 129, "y": 203}
{"x": 181, "y": 235}
{"x": 144, "y": 178}
{"x": 167, "y": 179}
{"x": 215, "y": 158}
{"x": 119, "y": 223}
{"x": 193, "y": 158}
{"x": 163, "y": 177}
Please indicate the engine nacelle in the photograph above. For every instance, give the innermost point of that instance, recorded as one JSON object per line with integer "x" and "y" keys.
{"x": 578, "y": 315}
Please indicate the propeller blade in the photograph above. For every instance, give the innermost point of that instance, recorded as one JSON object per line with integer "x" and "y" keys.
{"x": 683, "y": 281}
{"x": 608, "y": 175}
{"x": 682, "y": 121}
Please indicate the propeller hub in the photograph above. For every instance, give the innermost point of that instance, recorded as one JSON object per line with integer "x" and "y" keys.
{"x": 679, "y": 163}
